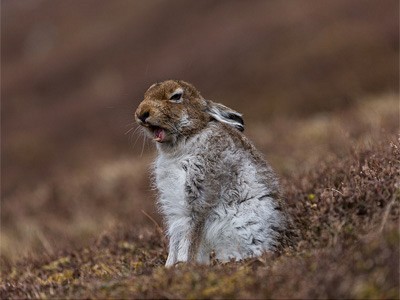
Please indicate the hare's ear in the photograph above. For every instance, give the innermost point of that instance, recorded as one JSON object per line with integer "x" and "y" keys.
{"x": 225, "y": 115}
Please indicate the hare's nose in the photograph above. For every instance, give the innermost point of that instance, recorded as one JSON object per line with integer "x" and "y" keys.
{"x": 143, "y": 116}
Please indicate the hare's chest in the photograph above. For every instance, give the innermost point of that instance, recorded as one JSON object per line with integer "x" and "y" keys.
{"x": 170, "y": 179}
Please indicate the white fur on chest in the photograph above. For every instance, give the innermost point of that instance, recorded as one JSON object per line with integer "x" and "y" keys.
{"x": 170, "y": 180}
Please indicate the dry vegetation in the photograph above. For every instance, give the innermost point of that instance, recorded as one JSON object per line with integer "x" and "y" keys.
{"x": 345, "y": 206}
{"x": 78, "y": 218}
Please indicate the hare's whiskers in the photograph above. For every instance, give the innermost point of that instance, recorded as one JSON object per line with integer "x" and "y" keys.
{"x": 137, "y": 137}
{"x": 144, "y": 142}
{"x": 131, "y": 130}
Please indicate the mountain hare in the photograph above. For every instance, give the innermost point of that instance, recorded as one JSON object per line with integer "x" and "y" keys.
{"x": 216, "y": 192}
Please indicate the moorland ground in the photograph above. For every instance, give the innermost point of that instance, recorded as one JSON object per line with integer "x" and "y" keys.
{"x": 344, "y": 203}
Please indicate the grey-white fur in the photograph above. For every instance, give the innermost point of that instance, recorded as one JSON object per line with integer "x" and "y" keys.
{"x": 217, "y": 194}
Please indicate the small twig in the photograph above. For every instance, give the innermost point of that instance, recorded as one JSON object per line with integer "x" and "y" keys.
{"x": 45, "y": 243}
{"x": 158, "y": 227}
{"x": 386, "y": 213}
{"x": 335, "y": 191}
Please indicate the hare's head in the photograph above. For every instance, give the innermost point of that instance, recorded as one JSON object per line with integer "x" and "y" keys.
{"x": 174, "y": 109}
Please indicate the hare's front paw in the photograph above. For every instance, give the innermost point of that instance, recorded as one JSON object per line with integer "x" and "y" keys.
{"x": 170, "y": 260}
{"x": 178, "y": 252}
{"x": 173, "y": 262}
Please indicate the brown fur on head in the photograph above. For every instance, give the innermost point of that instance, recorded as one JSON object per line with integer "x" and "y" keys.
{"x": 174, "y": 109}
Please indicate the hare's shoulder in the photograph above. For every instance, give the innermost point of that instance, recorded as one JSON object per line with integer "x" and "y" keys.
{"x": 222, "y": 138}
{"x": 218, "y": 135}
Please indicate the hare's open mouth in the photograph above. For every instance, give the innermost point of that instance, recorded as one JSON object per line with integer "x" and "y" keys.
{"x": 159, "y": 133}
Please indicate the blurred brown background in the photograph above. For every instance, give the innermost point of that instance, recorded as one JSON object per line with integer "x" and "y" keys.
{"x": 74, "y": 71}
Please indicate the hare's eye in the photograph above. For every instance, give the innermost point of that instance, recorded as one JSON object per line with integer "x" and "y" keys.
{"x": 176, "y": 97}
